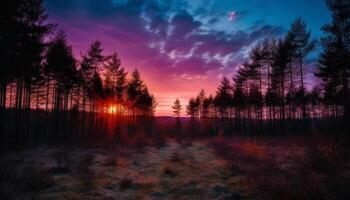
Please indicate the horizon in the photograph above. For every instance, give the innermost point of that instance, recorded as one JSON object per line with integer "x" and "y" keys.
{"x": 181, "y": 47}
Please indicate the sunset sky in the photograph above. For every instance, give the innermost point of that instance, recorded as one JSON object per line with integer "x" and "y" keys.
{"x": 181, "y": 46}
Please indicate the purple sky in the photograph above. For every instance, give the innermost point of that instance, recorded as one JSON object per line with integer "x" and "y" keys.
{"x": 180, "y": 46}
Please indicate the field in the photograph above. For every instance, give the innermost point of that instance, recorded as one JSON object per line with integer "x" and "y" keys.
{"x": 207, "y": 168}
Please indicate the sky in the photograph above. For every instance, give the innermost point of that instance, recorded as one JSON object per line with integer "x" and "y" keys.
{"x": 181, "y": 46}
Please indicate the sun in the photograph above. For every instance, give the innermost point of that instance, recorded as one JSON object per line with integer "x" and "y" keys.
{"x": 112, "y": 109}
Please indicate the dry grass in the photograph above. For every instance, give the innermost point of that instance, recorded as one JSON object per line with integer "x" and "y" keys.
{"x": 221, "y": 168}
{"x": 125, "y": 183}
{"x": 313, "y": 168}
{"x": 110, "y": 161}
{"x": 63, "y": 162}
{"x": 18, "y": 178}
{"x": 174, "y": 171}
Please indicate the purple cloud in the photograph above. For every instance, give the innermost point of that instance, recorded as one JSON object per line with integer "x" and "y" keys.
{"x": 164, "y": 42}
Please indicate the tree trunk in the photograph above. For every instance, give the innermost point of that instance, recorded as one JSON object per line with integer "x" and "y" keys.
{"x": 346, "y": 96}
{"x": 302, "y": 85}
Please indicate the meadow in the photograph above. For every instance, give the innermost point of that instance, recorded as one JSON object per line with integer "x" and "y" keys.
{"x": 165, "y": 161}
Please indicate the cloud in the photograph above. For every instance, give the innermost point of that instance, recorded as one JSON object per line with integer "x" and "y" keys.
{"x": 150, "y": 31}
{"x": 183, "y": 24}
{"x": 174, "y": 44}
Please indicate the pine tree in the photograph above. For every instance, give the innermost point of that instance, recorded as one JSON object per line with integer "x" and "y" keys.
{"x": 223, "y": 98}
{"x": 334, "y": 66}
{"x": 302, "y": 45}
{"x": 60, "y": 62}
{"x": 23, "y": 29}
{"x": 239, "y": 98}
{"x": 208, "y": 106}
{"x": 144, "y": 102}
{"x": 135, "y": 85}
{"x": 121, "y": 84}
{"x": 21, "y": 43}
{"x": 112, "y": 68}
{"x": 91, "y": 64}
{"x": 134, "y": 89}
{"x": 281, "y": 59}
{"x": 95, "y": 57}
{"x": 192, "y": 108}
{"x": 269, "y": 48}
{"x": 241, "y": 90}
{"x": 200, "y": 98}
{"x": 177, "y": 108}
{"x": 257, "y": 59}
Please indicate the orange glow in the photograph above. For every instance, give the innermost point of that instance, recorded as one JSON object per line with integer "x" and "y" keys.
{"x": 112, "y": 109}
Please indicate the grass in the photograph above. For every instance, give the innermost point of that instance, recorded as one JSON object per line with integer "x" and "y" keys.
{"x": 63, "y": 162}
{"x": 110, "y": 161}
{"x": 219, "y": 168}
{"x": 84, "y": 173}
{"x": 312, "y": 168}
{"x": 16, "y": 179}
{"x": 168, "y": 171}
{"x": 126, "y": 183}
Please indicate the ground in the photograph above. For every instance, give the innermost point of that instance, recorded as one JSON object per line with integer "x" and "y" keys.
{"x": 174, "y": 171}
{"x": 202, "y": 169}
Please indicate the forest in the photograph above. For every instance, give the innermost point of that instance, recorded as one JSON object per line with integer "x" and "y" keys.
{"x": 272, "y": 85}
{"x": 44, "y": 88}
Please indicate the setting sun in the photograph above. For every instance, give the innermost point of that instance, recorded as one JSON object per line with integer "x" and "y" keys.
{"x": 112, "y": 109}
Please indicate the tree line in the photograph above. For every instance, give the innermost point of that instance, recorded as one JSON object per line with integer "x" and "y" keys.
{"x": 272, "y": 83}
{"x": 39, "y": 70}
{"x": 41, "y": 81}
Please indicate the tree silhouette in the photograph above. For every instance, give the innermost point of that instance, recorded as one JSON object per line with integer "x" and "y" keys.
{"x": 255, "y": 100}
{"x": 299, "y": 39}
{"x": 200, "y": 98}
{"x": 257, "y": 57}
{"x": 208, "y": 107}
{"x": 10, "y": 17}
{"x": 192, "y": 108}
{"x": 223, "y": 97}
{"x": 177, "y": 108}
{"x": 112, "y": 68}
{"x": 273, "y": 77}
{"x": 334, "y": 61}
{"x": 41, "y": 79}
{"x": 121, "y": 83}
{"x": 281, "y": 59}
{"x": 239, "y": 98}
{"x": 145, "y": 102}
{"x": 60, "y": 62}
{"x": 134, "y": 88}
{"x": 269, "y": 48}
{"x": 315, "y": 99}
{"x": 22, "y": 46}
{"x": 39, "y": 73}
